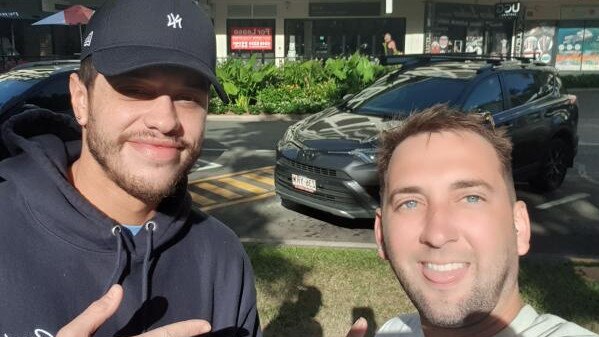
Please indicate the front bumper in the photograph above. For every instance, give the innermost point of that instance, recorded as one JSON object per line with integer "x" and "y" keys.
{"x": 345, "y": 186}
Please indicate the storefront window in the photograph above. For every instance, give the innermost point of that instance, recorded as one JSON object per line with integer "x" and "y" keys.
{"x": 324, "y": 38}
{"x": 538, "y": 41}
{"x": 578, "y": 46}
{"x": 466, "y": 28}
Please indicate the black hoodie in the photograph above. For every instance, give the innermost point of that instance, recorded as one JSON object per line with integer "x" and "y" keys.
{"x": 58, "y": 253}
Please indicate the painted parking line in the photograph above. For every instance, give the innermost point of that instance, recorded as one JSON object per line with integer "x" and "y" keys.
{"x": 564, "y": 200}
{"x": 233, "y": 188}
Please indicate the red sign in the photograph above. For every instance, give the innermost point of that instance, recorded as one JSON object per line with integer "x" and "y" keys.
{"x": 251, "y": 38}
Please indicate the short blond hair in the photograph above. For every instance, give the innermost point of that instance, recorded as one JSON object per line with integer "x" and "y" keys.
{"x": 439, "y": 118}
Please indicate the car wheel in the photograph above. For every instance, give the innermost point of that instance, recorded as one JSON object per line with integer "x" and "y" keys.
{"x": 554, "y": 167}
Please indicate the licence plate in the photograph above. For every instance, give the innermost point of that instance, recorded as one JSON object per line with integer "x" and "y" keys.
{"x": 303, "y": 183}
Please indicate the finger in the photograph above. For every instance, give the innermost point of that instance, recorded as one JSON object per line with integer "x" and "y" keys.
{"x": 189, "y": 328}
{"x": 359, "y": 328}
{"x": 95, "y": 315}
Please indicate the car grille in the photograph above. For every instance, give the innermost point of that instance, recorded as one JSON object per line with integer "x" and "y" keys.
{"x": 329, "y": 188}
{"x": 309, "y": 168}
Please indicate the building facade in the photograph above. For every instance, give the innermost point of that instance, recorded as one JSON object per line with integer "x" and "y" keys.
{"x": 560, "y": 32}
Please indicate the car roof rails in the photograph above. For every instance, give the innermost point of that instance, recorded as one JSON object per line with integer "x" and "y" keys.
{"x": 425, "y": 58}
{"x": 45, "y": 63}
{"x": 411, "y": 60}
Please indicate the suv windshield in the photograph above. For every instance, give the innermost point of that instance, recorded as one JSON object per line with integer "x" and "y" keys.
{"x": 408, "y": 94}
{"x": 415, "y": 93}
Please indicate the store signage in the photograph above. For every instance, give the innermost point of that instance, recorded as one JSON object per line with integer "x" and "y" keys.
{"x": 9, "y": 15}
{"x": 507, "y": 9}
{"x": 345, "y": 8}
{"x": 251, "y": 38}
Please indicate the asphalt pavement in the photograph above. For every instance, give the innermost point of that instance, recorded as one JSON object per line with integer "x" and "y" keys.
{"x": 565, "y": 224}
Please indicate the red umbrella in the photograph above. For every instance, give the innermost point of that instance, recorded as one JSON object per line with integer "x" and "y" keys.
{"x": 74, "y": 15}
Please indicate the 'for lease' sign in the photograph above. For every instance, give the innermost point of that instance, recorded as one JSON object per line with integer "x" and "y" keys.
{"x": 251, "y": 38}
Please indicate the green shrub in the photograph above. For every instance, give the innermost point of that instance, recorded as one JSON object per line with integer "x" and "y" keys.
{"x": 295, "y": 87}
{"x": 288, "y": 99}
{"x": 581, "y": 81}
{"x": 242, "y": 79}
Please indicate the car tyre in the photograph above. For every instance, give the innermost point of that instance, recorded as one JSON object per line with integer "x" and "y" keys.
{"x": 553, "y": 167}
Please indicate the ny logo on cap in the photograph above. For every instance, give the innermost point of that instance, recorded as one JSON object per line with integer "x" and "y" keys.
{"x": 174, "y": 20}
{"x": 88, "y": 39}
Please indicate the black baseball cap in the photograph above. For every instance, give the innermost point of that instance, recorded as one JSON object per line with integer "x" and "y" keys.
{"x": 126, "y": 35}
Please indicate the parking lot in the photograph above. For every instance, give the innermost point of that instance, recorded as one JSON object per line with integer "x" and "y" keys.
{"x": 565, "y": 222}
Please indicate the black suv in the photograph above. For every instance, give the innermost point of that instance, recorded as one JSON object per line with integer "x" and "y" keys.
{"x": 327, "y": 161}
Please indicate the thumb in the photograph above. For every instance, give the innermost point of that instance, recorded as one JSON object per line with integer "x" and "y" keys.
{"x": 193, "y": 327}
{"x": 95, "y": 315}
{"x": 359, "y": 328}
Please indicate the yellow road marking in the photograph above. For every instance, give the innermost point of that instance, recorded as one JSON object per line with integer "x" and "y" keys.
{"x": 218, "y": 190}
{"x": 259, "y": 178}
{"x": 262, "y": 175}
{"x": 198, "y": 199}
{"x": 269, "y": 169}
{"x": 225, "y": 204}
{"x": 243, "y": 185}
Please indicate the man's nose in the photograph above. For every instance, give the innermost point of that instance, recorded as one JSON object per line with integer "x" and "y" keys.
{"x": 439, "y": 228}
{"x": 162, "y": 115}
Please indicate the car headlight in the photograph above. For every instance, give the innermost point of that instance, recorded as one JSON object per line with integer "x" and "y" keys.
{"x": 366, "y": 155}
{"x": 287, "y": 139}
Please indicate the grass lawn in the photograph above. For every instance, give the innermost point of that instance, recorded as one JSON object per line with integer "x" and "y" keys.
{"x": 315, "y": 292}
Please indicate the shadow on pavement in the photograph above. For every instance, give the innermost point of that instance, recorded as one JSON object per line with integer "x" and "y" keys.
{"x": 570, "y": 229}
{"x": 329, "y": 218}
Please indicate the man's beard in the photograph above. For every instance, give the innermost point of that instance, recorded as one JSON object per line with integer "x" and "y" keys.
{"x": 106, "y": 153}
{"x": 477, "y": 305}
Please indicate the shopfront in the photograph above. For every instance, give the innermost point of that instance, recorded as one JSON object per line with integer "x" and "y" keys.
{"x": 468, "y": 28}
{"x": 295, "y": 30}
{"x": 571, "y": 44}
{"x": 324, "y": 38}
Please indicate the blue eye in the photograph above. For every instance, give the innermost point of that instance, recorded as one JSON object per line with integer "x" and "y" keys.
{"x": 473, "y": 199}
{"x": 410, "y": 204}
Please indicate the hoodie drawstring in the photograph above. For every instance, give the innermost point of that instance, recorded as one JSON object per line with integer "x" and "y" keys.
{"x": 116, "y": 231}
{"x": 150, "y": 227}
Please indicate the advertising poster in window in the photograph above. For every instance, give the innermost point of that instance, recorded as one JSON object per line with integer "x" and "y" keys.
{"x": 474, "y": 41}
{"x": 590, "y": 49}
{"x": 569, "y": 48}
{"x": 538, "y": 43}
{"x": 441, "y": 45}
{"x": 251, "y": 38}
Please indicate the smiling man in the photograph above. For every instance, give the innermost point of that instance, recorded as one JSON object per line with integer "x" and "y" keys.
{"x": 453, "y": 231}
{"x": 103, "y": 200}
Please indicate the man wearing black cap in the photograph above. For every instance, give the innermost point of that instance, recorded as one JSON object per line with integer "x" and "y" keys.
{"x": 104, "y": 202}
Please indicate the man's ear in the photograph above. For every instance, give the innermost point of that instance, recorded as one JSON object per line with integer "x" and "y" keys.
{"x": 379, "y": 234}
{"x": 79, "y": 99}
{"x": 522, "y": 225}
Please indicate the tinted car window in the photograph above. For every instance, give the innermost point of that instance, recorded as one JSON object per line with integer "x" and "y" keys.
{"x": 521, "y": 87}
{"x": 486, "y": 96}
{"x": 416, "y": 93}
{"x": 10, "y": 88}
{"x": 53, "y": 94}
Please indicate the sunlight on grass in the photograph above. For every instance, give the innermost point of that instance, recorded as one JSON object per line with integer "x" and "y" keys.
{"x": 315, "y": 292}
